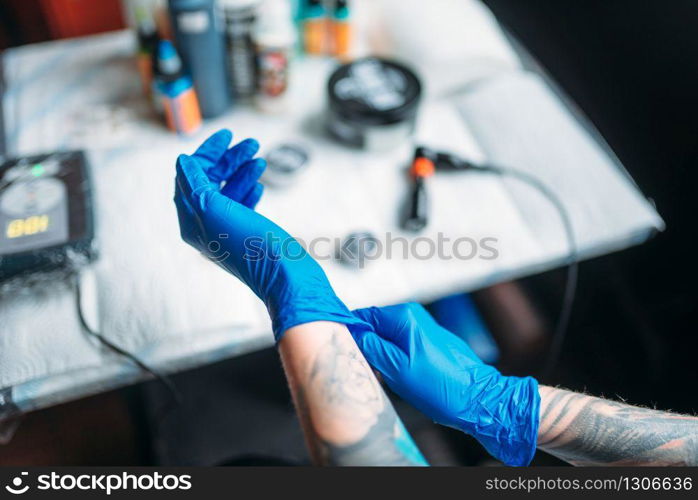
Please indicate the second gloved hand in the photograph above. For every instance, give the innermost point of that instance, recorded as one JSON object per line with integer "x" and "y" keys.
{"x": 440, "y": 375}
{"x": 216, "y": 191}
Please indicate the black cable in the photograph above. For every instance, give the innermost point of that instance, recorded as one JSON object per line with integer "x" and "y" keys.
{"x": 3, "y": 88}
{"x": 568, "y": 297}
{"x": 163, "y": 379}
{"x": 6, "y": 185}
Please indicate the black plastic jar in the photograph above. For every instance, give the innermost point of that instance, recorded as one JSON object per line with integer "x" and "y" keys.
{"x": 373, "y": 103}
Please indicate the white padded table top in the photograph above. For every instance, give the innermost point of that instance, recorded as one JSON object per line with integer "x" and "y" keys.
{"x": 160, "y": 299}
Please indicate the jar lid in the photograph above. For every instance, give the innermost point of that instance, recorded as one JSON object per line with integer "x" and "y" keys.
{"x": 374, "y": 91}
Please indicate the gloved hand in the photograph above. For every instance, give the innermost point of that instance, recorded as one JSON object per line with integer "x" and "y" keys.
{"x": 437, "y": 372}
{"x": 221, "y": 223}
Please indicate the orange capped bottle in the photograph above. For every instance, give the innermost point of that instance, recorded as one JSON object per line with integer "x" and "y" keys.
{"x": 315, "y": 27}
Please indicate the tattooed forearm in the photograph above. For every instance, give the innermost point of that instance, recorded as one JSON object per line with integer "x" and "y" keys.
{"x": 385, "y": 443}
{"x": 585, "y": 430}
{"x": 346, "y": 416}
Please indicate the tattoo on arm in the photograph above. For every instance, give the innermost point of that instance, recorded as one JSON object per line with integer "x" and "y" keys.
{"x": 351, "y": 397}
{"x": 585, "y": 430}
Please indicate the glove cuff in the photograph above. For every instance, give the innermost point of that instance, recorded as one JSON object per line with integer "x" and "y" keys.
{"x": 506, "y": 419}
{"x": 314, "y": 304}
{"x": 526, "y": 414}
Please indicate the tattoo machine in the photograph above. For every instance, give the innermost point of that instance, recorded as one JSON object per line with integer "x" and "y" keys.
{"x": 428, "y": 161}
{"x": 425, "y": 163}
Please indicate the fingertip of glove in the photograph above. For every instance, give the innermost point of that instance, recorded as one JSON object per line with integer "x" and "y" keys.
{"x": 221, "y": 137}
{"x": 193, "y": 182}
{"x": 375, "y": 349}
{"x": 366, "y": 315}
{"x": 360, "y": 327}
{"x": 250, "y": 142}
{"x": 358, "y": 333}
{"x": 179, "y": 181}
{"x": 258, "y": 165}
{"x": 185, "y": 167}
{"x": 248, "y": 147}
{"x": 213, "y": 147}
{"x": 186, "y": 164}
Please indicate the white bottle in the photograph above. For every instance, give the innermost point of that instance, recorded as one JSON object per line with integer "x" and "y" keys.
{"x": 275, "y": 36}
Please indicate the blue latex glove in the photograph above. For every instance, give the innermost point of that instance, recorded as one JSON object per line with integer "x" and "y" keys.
{"x": 216, "y": 191}
{"x": 440, "y": 375}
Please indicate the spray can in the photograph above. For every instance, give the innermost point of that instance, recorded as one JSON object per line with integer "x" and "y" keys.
{"x": 176, "y": 91}
{"x": 240, "y": 18}
{"x": 198, "y": 32}
{"x": 315, "y": 27}
{"x": 146, "y": 31}
{"x": 275, "y": 37}
{"x": 341, "y": 29}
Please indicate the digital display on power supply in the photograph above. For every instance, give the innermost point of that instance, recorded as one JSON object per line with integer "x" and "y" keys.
{"x": 45, "y": 212}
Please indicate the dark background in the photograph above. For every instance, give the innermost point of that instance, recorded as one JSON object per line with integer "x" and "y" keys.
{"x": 632, "y": 67}
{"x": 31, "y": 21}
